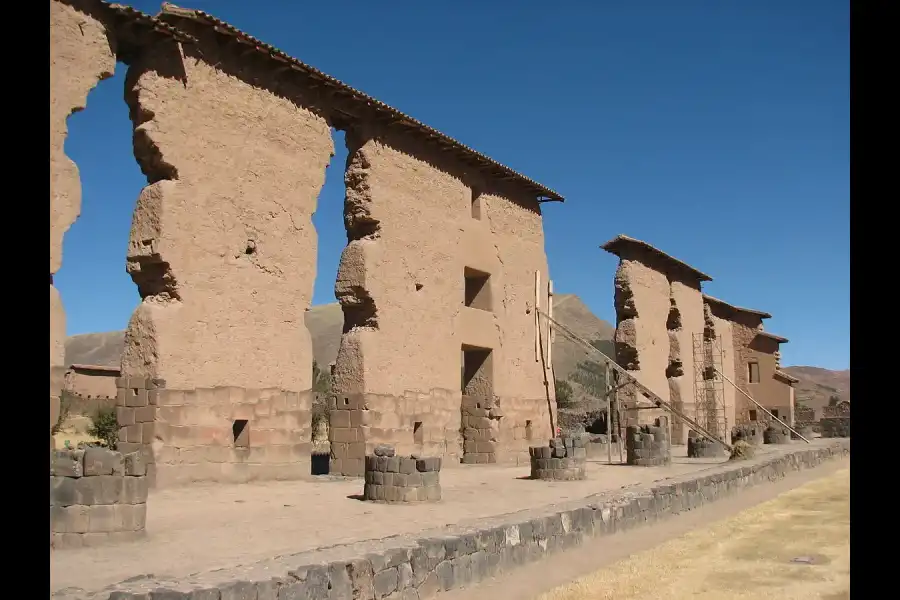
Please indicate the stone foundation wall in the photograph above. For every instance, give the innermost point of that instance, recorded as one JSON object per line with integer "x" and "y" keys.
{"x": 835, "y": 427}
{"x": 701, "y": 447}
{"x": 96, "y": 496}
{"x": 565, "y": 459}
{"x": 776, "y": 433}
{"x": 391, "y": 478}
{"x": 430, "y": 566}
{"x": 225, "y": 434}
{"x": 648, "y": 445}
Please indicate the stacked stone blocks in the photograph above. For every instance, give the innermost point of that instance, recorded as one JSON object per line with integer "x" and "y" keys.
{"x": 480, "y": 424}
{"x": 752, "y": 433}
{"x": 197, "y": 434}
{"x": 348, "y": 419}
{"x": 391, "y": 478}
{"x": 776, "y": 433}
{"x": 564, "y": 459}
{"x": 136, "y": 402}
{"x": 835, "y": 427}
{"x": 701, "y": 447}
{"x": 96, "y": 496}
{"x": 648, "y": 445}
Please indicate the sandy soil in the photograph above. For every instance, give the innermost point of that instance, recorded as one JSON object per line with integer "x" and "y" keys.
{"x": 207, "y": 527}
{"x": 746, "y": 552}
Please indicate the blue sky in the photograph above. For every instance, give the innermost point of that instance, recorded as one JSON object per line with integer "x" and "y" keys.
{"x": 717, "y": 131}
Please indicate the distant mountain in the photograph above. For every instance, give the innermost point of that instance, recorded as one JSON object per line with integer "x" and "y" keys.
{"x": 104, "y": 349}
{"x": 818, "y": 385}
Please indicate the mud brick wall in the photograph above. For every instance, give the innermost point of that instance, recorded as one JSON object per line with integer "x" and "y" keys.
{"x": 402, "y": 291}
{"x": 424, "y": 568}
{"x": 402, "y": 479}
{"x": 701, "y": 447}
{"x": 648, "y": 445}
{"x": 481, "y": 428}
{"x": 835, "y": 427}
{"x": 752, "y": 433}
{"x": 776, "y": 433}
{"x": 564, "y": 459}
{"x": 96, "y": 496}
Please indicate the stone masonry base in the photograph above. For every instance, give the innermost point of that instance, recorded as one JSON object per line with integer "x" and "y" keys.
{"x": 433, "y": 565}
{"x": 565, "y": 459}
{"x": 402, "y": 479}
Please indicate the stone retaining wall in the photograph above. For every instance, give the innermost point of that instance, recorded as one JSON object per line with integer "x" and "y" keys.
{"x": 96, "y": 496}
{"x": 776, "y": 433}
{"x": 565, "y": 459}
{"x": 430, "y": 566}
{"x": 402, "y": 478}
{"x": 648, "y": 445}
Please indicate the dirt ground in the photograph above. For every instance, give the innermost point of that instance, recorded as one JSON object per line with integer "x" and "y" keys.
{"x": 606, "y": 564}
{"x": 205, "y": 527}
{"x": 796, "y": 546}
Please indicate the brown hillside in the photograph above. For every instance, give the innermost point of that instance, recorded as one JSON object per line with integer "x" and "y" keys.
{"x": 817, "y": 385}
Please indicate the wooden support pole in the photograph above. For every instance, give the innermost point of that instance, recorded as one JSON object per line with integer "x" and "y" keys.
{"x": 609, "y": 416}
{"x": 549, "y": 364}
{"x": 537, "y": 316}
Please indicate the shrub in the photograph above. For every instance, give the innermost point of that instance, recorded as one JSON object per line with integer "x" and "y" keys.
{"x": 105, "y": 427}
{"x": 563, "y": 392}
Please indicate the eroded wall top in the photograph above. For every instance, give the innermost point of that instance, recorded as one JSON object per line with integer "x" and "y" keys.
{"x": 348, "y": 107}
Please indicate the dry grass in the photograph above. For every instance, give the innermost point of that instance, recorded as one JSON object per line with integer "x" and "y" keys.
{"x": 746, "y": 556}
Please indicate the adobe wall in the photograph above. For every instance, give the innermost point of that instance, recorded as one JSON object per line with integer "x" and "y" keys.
{"x": 223, "y": 252}
{"x": 642, "y": 300}
{"x": 687, "y": 299}
{"x": 771, "y": 392}
{"x": 658, "y": 310}
{"x": 81, "y": 55}
{"x": 401, "y": 284}
{"x": 743, "y": 330}
{"x": 91, "y": 386}
{"x": 721, "y": 329}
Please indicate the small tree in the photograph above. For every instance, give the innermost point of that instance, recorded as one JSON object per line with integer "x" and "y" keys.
{"x": 834, "y": 400}
{"x": 105, "y": 427}
{"x": 563, "y": 392}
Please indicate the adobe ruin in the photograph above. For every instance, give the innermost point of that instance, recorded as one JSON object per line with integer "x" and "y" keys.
{"x": 756, "y": 366}
{"x": 437, "y": 279}
{"x": 659, "y": 310}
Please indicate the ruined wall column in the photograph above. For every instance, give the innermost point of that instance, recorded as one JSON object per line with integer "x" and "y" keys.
{"x": 81, "y": 55}
{"x": 687, "y": 300}
{"x": 422, "y": 238}
{"x": 642, "y": 301}
{"x": 223, "y": 252}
